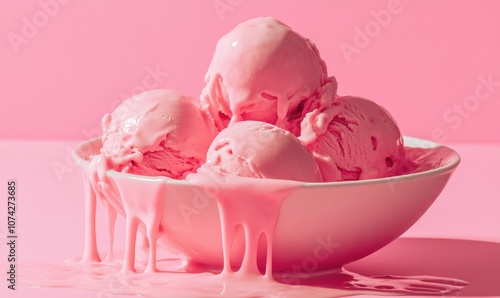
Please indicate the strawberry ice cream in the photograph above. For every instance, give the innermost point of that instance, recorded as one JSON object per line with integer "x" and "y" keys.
{"x": 263, "y": 70}
{"x": 260, "y": 150}
{"x": 157, "y": 133}
{"x": 361, "y": 142}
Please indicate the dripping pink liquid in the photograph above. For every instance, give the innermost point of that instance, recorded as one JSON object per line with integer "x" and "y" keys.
{"x": 241, "y": 237}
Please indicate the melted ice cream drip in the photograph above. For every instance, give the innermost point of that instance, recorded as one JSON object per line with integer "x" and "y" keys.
{"x": 240, "y": 203}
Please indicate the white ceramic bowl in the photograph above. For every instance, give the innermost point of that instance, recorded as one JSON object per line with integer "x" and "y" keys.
{"x": 320, "y": 226}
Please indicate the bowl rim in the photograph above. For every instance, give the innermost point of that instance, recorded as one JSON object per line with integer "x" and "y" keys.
{"x": 454, "y": 161}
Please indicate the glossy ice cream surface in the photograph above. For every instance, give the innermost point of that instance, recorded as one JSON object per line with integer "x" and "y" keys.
{"x": 261, "y": 150}
{"x": 263, "y": 70}
{"x": 157, "y": 133}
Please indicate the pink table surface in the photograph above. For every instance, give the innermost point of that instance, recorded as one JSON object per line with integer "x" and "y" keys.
{"x": 50, "y": 220}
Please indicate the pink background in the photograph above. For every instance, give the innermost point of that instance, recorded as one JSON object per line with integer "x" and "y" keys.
{"x": 63, "y": 64}
{"x": 87, "y": 56}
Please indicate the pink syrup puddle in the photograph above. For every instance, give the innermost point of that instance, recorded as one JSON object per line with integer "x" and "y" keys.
{"x": 174, "y": 279}
{"x": 241, "y": 205}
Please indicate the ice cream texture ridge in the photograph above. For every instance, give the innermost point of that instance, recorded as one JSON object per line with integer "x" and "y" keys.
{"x": 268, "y": 121}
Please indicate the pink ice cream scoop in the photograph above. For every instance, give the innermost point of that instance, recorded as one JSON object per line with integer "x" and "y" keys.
{"x": 263, "y": 70}
{"x": 260, "y": 150}
{"x": 362, "y": 141}
{"x": 157, "y": 133}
